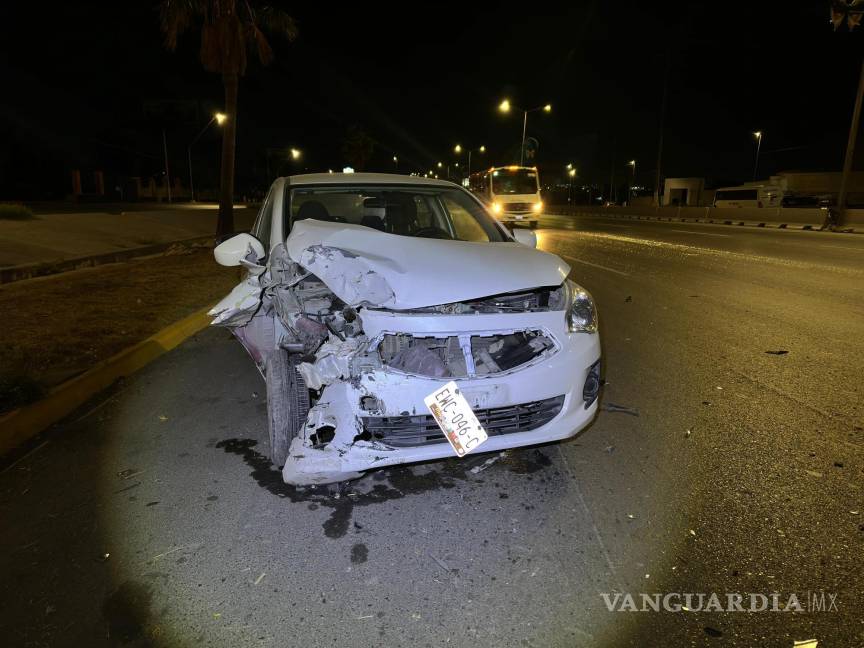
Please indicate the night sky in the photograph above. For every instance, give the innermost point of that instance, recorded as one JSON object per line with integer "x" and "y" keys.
{"x": 91, "y": 86}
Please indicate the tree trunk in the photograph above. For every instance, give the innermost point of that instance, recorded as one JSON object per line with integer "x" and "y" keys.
{"x": 225, "y": 224}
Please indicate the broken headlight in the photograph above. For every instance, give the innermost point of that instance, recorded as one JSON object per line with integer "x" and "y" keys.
{"x": 581, "y": 313}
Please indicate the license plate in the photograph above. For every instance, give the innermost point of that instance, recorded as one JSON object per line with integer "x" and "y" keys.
{"x": 456, "y": 418}
{"x": 519, "y": 217}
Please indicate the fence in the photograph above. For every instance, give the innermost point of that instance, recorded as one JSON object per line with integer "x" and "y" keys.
{"x": 782, "y": 217}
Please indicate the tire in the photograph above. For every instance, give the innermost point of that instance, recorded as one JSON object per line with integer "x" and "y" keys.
{"x": 287, "y": 404}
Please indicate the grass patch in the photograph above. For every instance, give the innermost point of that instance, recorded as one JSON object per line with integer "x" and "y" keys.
{"x": 15, "y": 211}
{"x": 66, "y": 323}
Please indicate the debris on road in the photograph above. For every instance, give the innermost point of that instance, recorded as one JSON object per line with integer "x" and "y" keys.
{"x": 629, "y": 298}
{"x": 778, "y": 352}
{"x": 806, "y": 643}
{"x": 813, "y": 473}
{"x": 688, "y": 433}
{"x": 440, "y": 563}
{"x": 621, "y": 409}
{"x": 483, "y": 466}
{"x": 610, "y": 449}
{"x": 260, "y": 578}
{"x": 129, "y": 473}
{"x": 838, "y": 464}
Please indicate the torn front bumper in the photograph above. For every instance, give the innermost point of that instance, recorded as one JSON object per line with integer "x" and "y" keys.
{"x": 347, "y": 406}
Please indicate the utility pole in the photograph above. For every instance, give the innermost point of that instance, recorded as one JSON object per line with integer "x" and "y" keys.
{"x": 850, "y": 149}
{"x": 658, "y": 176}
{"x": 613, "y": 193}
{"x": 167, "y": 174}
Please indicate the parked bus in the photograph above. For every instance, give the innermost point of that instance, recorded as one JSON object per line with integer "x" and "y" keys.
{"x": 512, "y": 193}
{"x": 748, "y": 196}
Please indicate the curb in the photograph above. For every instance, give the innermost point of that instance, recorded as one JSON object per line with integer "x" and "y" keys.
{"x": 19, "y": 425}
{"x": 32, "y": 270}
{"x": 765, "y": 224}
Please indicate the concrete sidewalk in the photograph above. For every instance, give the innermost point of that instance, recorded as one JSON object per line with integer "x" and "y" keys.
{"x": 63, "y": 235}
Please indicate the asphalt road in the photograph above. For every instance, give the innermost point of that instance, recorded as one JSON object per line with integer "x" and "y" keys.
{"x": 152, "y": 517}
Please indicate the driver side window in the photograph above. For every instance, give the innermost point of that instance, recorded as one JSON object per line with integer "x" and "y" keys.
{"x": 261, "y": 228}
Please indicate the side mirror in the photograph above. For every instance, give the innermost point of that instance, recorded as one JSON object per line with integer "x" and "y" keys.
{"x": 525, "y": 237}
{"x": 240, "y": 249}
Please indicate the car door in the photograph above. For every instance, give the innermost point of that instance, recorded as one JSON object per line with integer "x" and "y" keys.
{"x": 240, "y": 310}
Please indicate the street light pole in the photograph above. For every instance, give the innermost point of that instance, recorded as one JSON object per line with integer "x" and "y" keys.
{"x": 850, "y": 148}
{"x": 631, "y": 163}
{"x": 524, "y": 129}
{"x": 505, "y": 107}
{"x": 758, "y": 136}
{"x": 220, "y": 119}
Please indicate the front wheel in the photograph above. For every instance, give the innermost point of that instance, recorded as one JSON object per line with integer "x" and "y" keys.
{"x": 287, "y": 404}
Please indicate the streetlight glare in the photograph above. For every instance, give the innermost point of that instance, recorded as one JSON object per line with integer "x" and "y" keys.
{"x": 395, "y": 159}
{"x": 570, "y": 165}
{"x": 504, "y": 106}
{"x": 440, "y": 164}
{"x": 572, "y": 173}
{"x": 482, "y": 149}
{"x": 295, "y": 154}
{"x": 457, "y": 149}
{"x": 632, "y": 163}
{"x": 548, "y": 107}
{"x": 220, "y": 118}
{"x": 758, "y": 134}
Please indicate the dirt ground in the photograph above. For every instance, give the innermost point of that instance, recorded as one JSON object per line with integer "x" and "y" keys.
{"x": 56, "y": 327}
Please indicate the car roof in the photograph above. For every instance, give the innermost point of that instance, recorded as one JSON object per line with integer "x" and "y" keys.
{"x": 365, "y": 178}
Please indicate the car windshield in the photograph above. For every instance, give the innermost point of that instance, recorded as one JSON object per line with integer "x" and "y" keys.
{"x": 514, "y": 181}
{"x": 427, "y": 212}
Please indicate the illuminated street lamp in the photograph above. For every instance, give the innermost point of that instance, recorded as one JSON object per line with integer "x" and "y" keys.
{"x": 220, "y": 119}
{"x": 758, "y": 136}
{"x": 505, "y": 107}
{"x": 295, "y": 154}
{"x": 571, "y": 173}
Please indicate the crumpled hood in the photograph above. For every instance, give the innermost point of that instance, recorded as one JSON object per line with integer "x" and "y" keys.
{"x": 364, "y": 266}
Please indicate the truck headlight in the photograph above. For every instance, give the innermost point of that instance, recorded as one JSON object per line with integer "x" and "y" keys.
{"x": 496, "y": 207}
{"x": 538, "y": 207}
{"x": 581, "y": 313}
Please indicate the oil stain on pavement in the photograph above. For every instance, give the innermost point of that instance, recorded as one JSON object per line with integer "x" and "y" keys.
{"x": 402, "y": 481}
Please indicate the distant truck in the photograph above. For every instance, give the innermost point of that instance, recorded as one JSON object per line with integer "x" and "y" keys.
{"x": 748, "y": 196}
{"x": 512, "y": 193}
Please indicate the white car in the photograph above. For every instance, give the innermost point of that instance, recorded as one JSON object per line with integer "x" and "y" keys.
{"x": 366, "y": 293}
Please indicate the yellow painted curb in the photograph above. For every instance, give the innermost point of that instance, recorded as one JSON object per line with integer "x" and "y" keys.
{"x": 19, "y": 425}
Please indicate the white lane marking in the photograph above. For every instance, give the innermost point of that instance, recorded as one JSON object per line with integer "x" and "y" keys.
{"x": 701, "y": 233}
{"x": 841, "y": 247}
{"x": 596, "y": 265}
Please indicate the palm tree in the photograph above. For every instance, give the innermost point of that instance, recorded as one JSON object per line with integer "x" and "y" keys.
{"x": 229, "y": 29}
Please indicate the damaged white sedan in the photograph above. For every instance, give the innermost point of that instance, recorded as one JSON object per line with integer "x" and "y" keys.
{"x": 366, "y": 293}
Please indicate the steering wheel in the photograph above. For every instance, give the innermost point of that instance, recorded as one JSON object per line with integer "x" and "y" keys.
{"x": 432, "y": 232}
